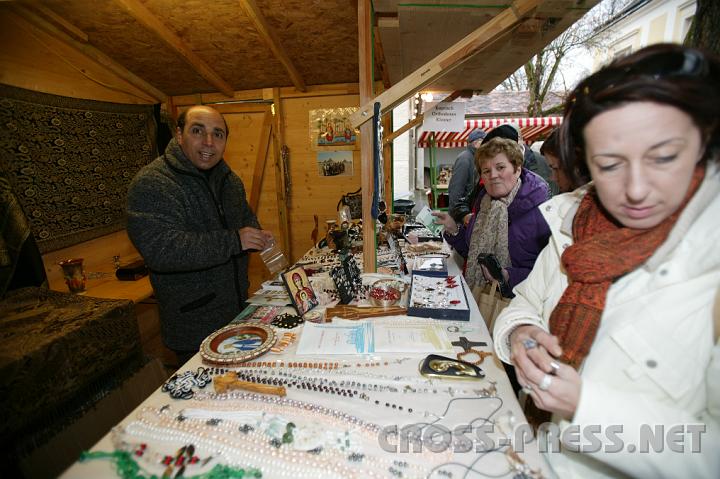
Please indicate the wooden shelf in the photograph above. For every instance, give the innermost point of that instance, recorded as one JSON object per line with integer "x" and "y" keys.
{"x": 108, "y": 287}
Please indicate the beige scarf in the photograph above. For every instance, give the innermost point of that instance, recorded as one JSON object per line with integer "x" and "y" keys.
{"x": 489, "y": 235}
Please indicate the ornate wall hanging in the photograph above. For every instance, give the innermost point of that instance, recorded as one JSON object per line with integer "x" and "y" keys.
{"x": 70, "y": 161}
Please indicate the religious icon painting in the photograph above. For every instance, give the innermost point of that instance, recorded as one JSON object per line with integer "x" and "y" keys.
{"x": 331, "y": 127}
{"x": 237, "y": 343}
{"x": 300, "y": 290}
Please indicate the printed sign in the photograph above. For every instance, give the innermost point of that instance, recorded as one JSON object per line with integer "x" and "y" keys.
{"x": 444, "y": 116}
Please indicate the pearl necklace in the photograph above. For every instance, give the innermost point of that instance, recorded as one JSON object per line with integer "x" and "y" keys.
{"x": 251, "y": 447}
{"x": 236, "y": 401}
{"x": 309, "y": 408}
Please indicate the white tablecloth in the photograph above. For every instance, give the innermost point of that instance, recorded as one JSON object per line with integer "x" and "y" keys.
{"x": 499, "y": 409}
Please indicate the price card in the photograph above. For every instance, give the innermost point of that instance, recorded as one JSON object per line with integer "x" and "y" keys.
{"x": 428, "y": 220}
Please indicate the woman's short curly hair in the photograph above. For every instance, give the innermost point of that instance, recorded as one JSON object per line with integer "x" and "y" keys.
{"x": 497, "y": 145}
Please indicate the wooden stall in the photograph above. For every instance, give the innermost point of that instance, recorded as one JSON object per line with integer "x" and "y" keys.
{"x": 266, "y": 65}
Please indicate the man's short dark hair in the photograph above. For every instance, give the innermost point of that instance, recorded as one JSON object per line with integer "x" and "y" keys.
{"x": 183, "y": 115}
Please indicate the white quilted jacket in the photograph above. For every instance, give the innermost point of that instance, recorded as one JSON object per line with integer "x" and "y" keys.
{"x": 655, "y": 360}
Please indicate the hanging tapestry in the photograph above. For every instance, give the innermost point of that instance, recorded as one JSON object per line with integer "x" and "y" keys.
{"x": 70, "y": 161}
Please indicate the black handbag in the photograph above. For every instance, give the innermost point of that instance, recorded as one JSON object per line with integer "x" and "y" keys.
{"x": 354, "y": 202}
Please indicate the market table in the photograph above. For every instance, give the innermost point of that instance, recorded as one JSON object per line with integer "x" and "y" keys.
{"x": 338, "y": 419}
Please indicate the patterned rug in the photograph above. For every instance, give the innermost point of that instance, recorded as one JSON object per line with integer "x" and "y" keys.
{"x": 70, "y": 161}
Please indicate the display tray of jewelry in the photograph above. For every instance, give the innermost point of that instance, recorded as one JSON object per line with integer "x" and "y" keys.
{"x": 438, "y": 298}
{"x": 430, "y": 265}
{"x": 421, "y": 232}
{"x": 237, "y": 343}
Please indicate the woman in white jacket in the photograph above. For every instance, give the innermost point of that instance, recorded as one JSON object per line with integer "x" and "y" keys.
{"x": 612, "y": 332}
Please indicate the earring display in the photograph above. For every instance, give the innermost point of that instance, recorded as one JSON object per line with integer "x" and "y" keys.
{"x": 438, "y": 298}
{"x": 183, "y": 386}
{"x": 347, "y": 279}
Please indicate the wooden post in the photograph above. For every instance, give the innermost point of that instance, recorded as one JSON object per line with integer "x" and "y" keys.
{"x": 281, "y": 186}
{"x": 387, "y": 162}
{"x": 365, "y": 59}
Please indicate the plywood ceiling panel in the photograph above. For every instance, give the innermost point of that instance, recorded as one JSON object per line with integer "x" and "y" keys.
{"x": 222, "y": 35}
{"x": 115, "y": 32}
{"x": 319, "y": 36}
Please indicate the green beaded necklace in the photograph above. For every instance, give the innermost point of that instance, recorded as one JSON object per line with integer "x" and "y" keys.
{"x": 127, "y": 468}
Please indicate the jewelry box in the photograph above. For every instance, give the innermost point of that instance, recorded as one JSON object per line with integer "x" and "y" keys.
{"x": 438, "y": 297}
{"x": 430, "y": 265}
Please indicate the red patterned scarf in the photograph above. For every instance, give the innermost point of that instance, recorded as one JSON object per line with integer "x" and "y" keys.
{"x": 602, "y": 252}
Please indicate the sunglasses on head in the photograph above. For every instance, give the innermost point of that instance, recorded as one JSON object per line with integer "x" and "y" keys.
{"x": 685, "y": 63}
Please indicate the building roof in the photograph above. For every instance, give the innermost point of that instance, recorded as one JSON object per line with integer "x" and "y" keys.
{"x": 500, "y": 103}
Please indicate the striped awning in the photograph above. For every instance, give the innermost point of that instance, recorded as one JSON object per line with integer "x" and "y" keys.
{"x": 531, "y": 128}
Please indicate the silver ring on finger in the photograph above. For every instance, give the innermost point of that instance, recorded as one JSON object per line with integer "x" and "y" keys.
{"x": 527, "y": 389}
{"x": 545, "y": 382}
{"x": 529, "y": 343}
{"x": 555, "y": 367}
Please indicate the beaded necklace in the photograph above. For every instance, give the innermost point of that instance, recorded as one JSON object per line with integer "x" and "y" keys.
{"x": 394, "y": 383}
{"x": 323, "y": 365}
{"x": 128, "y": 468}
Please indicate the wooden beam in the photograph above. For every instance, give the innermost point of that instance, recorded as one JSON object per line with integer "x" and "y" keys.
{"x": 365, "y": 61}
{"x": 147, "y": 18}
{"x": 241, "y": 107}
{"x": 282, "y": 187}
{"x": 380, "y": 58}
{"x": 260, "y": 160}
{"x": 268, "y": 34}
{"x": 447, "y": 60}
{"x": 389, "y": 138}
{"x": 59, "y": 21}
{"x": 331, "y": 89}
{"x": 35, "y": 21}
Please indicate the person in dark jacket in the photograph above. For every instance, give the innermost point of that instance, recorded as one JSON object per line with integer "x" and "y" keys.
{"x": 189, "y": 218}
{"x": 464, "y": 174}
{"x": 506, "y": 221}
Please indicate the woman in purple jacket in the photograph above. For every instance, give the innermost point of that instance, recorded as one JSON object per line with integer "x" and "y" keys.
{"x": 506, "y": 221}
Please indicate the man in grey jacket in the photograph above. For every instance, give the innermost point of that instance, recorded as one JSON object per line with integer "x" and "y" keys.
{"x": 464, "y": 174}
{"x": 189, "y": 218}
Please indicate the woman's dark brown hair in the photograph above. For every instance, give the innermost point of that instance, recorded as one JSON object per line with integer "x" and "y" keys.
{"x": 668, "y": 74}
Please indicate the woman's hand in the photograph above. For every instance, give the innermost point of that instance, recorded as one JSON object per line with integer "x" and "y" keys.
{"x": 447, "y": 221}
{"x": 554, "y": 386}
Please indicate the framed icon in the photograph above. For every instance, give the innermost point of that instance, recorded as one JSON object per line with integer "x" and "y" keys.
{"x": 300, "y": 290}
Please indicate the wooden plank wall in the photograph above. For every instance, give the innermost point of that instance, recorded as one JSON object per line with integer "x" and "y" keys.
{"x": 241, "y": 154}
{"x": 312, "y": 194}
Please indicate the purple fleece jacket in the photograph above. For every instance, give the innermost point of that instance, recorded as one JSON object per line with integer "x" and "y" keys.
{"x": 528, "y": 232}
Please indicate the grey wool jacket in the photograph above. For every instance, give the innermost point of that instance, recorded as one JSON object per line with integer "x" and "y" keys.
{"x": 185, "y": 225}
